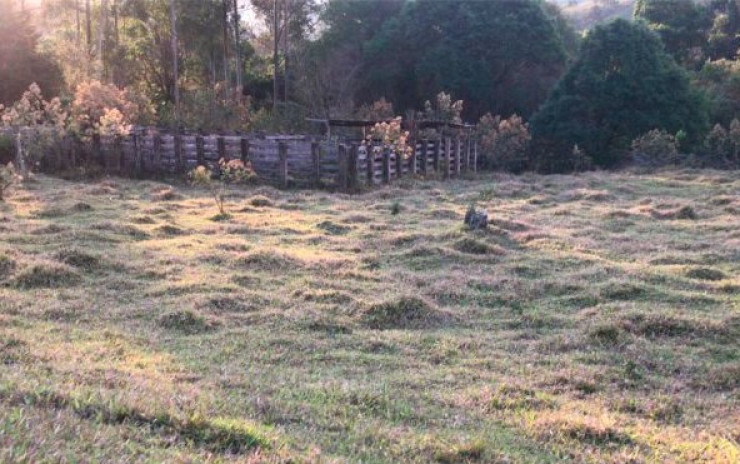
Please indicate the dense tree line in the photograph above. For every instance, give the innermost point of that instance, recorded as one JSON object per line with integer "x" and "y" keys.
{"x": 517, "y": 65}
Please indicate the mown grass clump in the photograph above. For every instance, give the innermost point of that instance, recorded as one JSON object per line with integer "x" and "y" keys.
{"x": 705, "y": 273}
{"x": 332, "y": 228}
{"x": 7, "y": 266}
{"x": 476, "y": 247}
{"x": 185, "y": 321}
{"x": 79, "y": 259}
{"x": 267, "y": 261}
{"x": 47, "y": 275}
{"x": 407, "y": 312}
{"x": 259, "y": 201}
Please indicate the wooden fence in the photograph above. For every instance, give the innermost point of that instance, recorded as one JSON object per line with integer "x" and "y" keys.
{"x": 301, "y": 161}
{"x": 364, "y": 164}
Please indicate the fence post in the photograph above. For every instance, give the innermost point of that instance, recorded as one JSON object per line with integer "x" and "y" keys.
{"x": 424, "y": 156}
{"x": 244, "y": 146}
{"x": 138, "y": 164}
{"x": 468, "y": 139}
{"x": 370, "y": 166}
{"x": 118, "y": 150}
{"x": 316, "y": 163}
{"x": 283, "y": 153}
{"x": 412, "y": 159}
{"x": 179, "y": 159}
{"x": 97, "y": 147}
{"x": 475, "y": 154}
{"x": 435, "y": 155}
{"x": 221, "y": 147}
{"x": 157, "y": 153}
{"x": 342, "y": 166}
{"x": 399, "y": 164}
{"x": 448, "y": 157}
{"x": 200, "y": 151}
{"x": 352, "y": 168}
{"x": 458, "y": 154}
{"x": 386, "y": 165}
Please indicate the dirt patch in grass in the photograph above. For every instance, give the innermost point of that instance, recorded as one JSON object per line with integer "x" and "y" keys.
{"x": 229, "y": 305}
{"x": 705, "y": 273}
{"x": 122, "y": 229}
{"x": 143, "y": 220}
{"x": 165, "y": 194}
{"x": 476, "y": 247}
{"x": 168, "y": 230}
{"x": 682, "y": 213}
{"x": 186, "y": 321}
{"x": 47, "y": 275}
{"x": 407, "y": 312}
{"x": 49, "y": 229}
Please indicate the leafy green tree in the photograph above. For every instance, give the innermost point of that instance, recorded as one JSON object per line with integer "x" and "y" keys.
{"x": 622, "y": 84}
{"x": 681, "y": 24}
{"x": 501, "y": 56}
{"x": 20, "y": 63}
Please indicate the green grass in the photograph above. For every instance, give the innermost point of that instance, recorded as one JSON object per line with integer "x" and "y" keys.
{"x": 597, "y": 319}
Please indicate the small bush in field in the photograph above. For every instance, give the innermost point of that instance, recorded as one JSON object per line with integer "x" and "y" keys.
{"x": 656, "y": 147}
{"x": 504, "y": 142}
{"x": 203, "y": 177}
{"x": 722, "y": 147}
{"x": 8, "y": 176}
{"x": 237, "y": 172}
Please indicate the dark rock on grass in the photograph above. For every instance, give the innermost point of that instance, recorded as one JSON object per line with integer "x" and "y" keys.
{"x": 408, "y": 312}
{"x": 47, "y": 276}
{"x": 475, "y": 220}
{"x": 187, "y": 322}
{"x": 705, "y": 273}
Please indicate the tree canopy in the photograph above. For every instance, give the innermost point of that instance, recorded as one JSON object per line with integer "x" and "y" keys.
{"x": 622, "y": 84}
{"x": 501, "y": 56}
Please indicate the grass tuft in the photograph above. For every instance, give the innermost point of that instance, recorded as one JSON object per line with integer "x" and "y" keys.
{"x": 79, "y": 259}
{"x": 260, "y": 201}
{"x": 407, "y": 312}
{"x": 185, "y": 321}
{"x": 705, "y": 273}
{"x": 476, "y": 247}
{"x": 47, "y": 275}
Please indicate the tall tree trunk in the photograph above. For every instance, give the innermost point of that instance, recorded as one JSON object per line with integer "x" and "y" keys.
{"x": 175, "y": 71}
{"x": 225, "y": 24}
{"x": 237, "y": 40}
{"x": 102, "y": 32}
{"x": 276, "y": 39}
{"x": 286, "y": 50}
{"x": 88, "y": 26}
{"x": 77, "y": 21}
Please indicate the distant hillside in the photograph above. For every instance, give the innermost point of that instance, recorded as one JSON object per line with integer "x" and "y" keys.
{"x": 585, "y": 14}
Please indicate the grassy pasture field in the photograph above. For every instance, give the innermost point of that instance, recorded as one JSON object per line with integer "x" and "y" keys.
{"x": 596, "y": 320}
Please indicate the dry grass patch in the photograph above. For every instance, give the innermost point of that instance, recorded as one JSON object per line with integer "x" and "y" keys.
{"x": 186, "y": 321}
